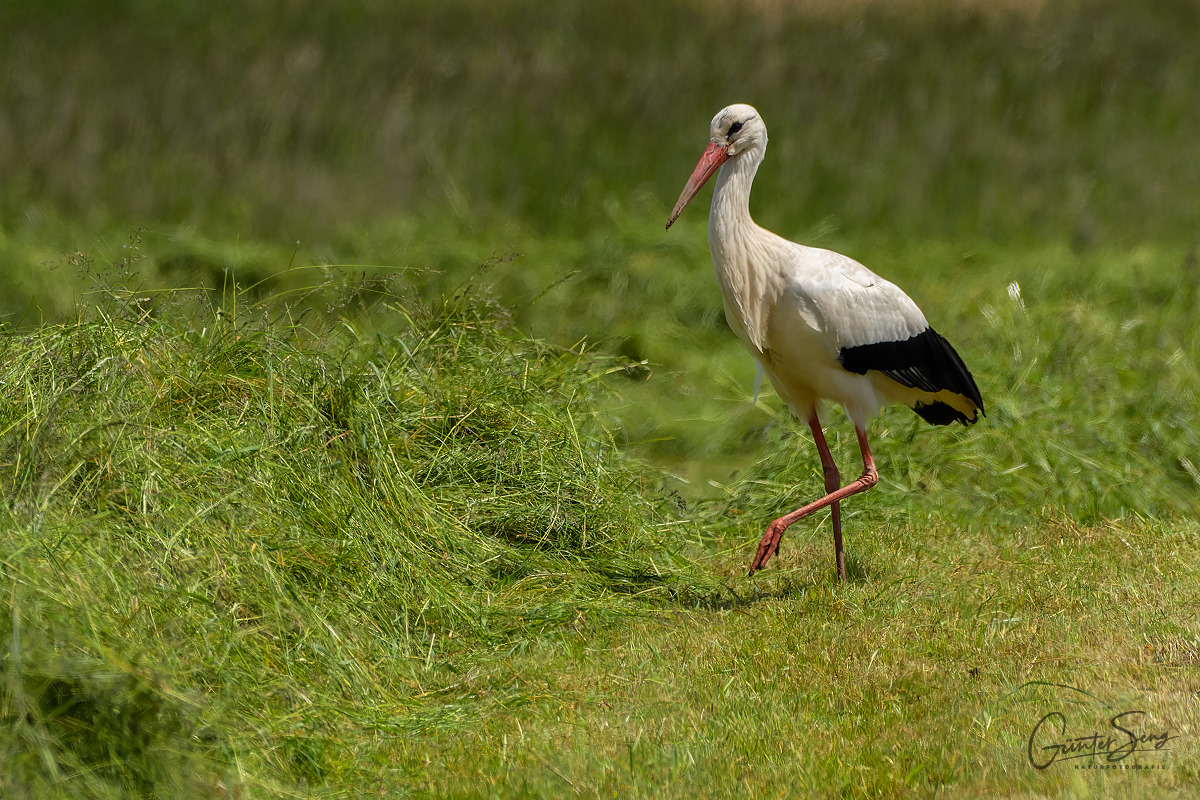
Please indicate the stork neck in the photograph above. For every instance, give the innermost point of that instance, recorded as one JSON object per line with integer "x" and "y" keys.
{"x": 730, "y": 211}
{"x": 737, "y": 246}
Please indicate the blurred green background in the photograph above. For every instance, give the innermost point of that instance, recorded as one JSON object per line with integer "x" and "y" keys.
{"x": 300, "y": 120}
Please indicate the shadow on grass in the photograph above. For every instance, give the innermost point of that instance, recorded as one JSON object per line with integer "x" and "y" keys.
{"x": 118, "y": 727}
{"x": 747, "y": 591}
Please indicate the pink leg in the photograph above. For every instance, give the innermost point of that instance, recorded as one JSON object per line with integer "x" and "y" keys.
{"x": 833, "y": 482}
{"x": 870, "y": 476}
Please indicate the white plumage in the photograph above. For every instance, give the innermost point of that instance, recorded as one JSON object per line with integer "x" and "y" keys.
{"x": 820, "y": 325}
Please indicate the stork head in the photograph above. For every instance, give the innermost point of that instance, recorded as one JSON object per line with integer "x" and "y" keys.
{"x": 735, "y": 131}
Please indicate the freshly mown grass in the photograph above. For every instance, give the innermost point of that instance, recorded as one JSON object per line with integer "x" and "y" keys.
{"x": 384, "y": 545}
{"x": 232, "y": 537}
{"x": 927, "y": 678}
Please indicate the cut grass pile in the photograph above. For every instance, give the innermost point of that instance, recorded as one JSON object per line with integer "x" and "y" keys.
{"x": 229, "y": 540}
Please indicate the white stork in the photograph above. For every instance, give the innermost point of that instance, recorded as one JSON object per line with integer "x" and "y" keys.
{"x": 819, "y": 324}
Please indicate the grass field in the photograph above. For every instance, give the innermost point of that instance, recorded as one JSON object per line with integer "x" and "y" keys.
{"x": 364, "y": 434}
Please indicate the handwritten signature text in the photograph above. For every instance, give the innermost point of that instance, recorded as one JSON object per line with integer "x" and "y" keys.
{"x": 1048, "y": 742}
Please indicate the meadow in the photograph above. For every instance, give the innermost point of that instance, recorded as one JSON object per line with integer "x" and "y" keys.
{"x": 363, "y": 433}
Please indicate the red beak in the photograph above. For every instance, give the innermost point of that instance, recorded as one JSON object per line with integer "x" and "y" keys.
{"x": 710, "y": 162}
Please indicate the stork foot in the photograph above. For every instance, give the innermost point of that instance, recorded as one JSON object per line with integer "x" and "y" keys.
{"x": 769, "y": 544}
{"x": 770, "y": 540}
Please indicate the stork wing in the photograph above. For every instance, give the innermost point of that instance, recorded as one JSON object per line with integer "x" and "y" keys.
{"x": 878, "y": 327}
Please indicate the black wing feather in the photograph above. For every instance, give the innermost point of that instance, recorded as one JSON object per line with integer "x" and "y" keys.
{"x": 926, "y": 362}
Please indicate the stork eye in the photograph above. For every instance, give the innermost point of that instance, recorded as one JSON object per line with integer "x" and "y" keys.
{"x": 734, "y": 128}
